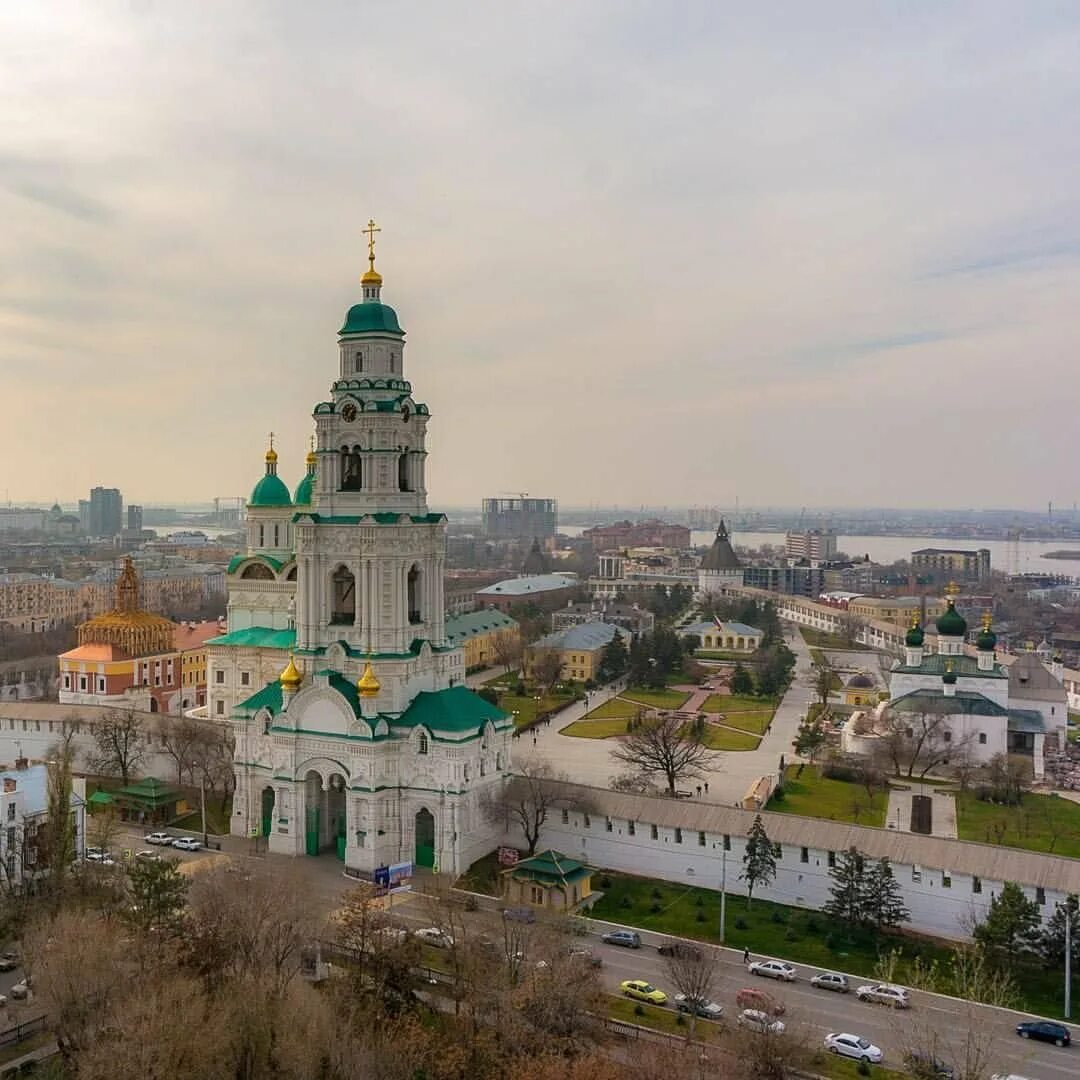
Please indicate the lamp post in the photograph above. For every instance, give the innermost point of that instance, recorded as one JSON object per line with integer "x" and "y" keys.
{"x": 723, "y": 891}
{"x": 1068, "y": 956}
{"x": 202, "y": 801}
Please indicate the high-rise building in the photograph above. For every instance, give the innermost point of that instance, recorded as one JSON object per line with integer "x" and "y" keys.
{"x": 134, "y": 518}
{"x": 813, "y": 545}
{"x": 520, "y": 519}
{"x": 355, "y": 733}
{"x": 104, "y": 512}
{"x": 946, "y": 563}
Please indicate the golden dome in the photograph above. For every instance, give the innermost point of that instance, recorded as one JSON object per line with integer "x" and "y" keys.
{"x": 271, "y": 456}
{"x": 291, "y": 677}
{"x": 311, "y": 460}
{"x": 371, "y": 277}
{"x": 367, "y": 684}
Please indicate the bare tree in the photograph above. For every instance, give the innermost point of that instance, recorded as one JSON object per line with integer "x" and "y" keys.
{"x": 825, "y": 680}
{"x": 527, "y": 798}
{"x": 547, "y": 669}
{"x": 665, "y": 745}
{"x": 850, "y": 627}
{"x": 508, "y": 650}
{"x": 921, "y": 742}
{"x": 119, "y": 744}
{"x": 178, "y": 737}
{"x": 693, "y": 971}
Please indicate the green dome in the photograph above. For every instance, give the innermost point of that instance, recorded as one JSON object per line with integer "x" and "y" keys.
{"x": 986, "y": 641}
{"x": 949, "y": 678}
{"x": 371, "y": 316}
{"x": 952, "y": 623}
{"x": 270, "y": 491}
{"x": 914, "y": 637}
{"x": 302, "y": 495}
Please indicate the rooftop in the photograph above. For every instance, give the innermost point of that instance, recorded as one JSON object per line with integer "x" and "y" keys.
{"x": 707, "y": 626}
{"x": 460, "y": 627}
{"x": 526, "y": 586}
{"x": 584, "y": 636}
{"x": 964, "y": 666}
{"x": 257, "y": 637}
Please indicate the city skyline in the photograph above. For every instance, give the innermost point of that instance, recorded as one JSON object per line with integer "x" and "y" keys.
{"x": 652, "y": 261}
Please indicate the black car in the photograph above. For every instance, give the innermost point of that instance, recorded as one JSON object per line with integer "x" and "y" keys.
{"x": 927, "y": 1067}
{"x": 1044, "y": 1031}
{"x": 681, "y": 949}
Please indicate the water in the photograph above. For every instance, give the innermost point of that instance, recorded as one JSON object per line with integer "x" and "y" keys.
{"x": 1013, "y": 557}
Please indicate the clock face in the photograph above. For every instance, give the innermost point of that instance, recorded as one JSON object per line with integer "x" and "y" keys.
{"x": 348, "y": 412}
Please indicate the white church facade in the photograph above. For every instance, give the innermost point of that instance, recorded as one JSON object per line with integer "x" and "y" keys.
{"x": 355, "y": 734}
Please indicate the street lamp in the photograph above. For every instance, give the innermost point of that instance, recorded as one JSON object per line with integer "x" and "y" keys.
{"x": 202, "y": 801}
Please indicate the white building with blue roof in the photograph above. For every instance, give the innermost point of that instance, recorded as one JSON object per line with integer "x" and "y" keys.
{"x": 355, "y": 734}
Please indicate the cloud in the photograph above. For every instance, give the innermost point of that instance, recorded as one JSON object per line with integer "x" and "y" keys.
{"x": 642, "y": 254}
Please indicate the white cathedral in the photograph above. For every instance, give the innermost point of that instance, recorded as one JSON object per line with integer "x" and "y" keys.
{"x": 355, "y": 733}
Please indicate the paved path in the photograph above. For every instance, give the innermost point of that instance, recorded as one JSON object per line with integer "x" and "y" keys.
{"x": 943, "y": 809}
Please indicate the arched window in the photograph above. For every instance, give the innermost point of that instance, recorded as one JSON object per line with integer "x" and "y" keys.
{"x": 415, "y": 615}
{"x": 351, "y": 469}
{"x": 257, "y": 572}
{"x": 343, "y": 600}
{"x": 466, "y": 772}
{"x": 359, "y": 358}
{"x": 403, "y": 472}
{"x": 422, "y": 744}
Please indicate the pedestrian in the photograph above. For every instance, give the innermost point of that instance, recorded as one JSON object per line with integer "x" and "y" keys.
{"x": 746, "y": 956}
{"x": 706, "y": 787}
{"x": 534, "y": 738}
{"x": 699, "y": 791}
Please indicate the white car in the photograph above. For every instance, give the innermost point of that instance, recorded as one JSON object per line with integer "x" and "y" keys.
{"x": 162, "y": 838}
{"x": 432, "y": 935}
{"x": 21, "y": 990}
{"x": 854, "y": 1046}
{"x": 187, "y": 843}
{"x": 761, "y": 1022}
{"x": 147, "y": 856}
{"x": 884, "y": 994}
{"x": 773, "y": 969}
{"x": 99, "y": 855}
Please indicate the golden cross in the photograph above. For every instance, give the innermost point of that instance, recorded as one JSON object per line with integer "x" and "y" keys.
{"x": 952, "y": 589}
{"x": 371, "y": 230}
{"x": 271, "y": 440}
{"x": 311, "y": 443}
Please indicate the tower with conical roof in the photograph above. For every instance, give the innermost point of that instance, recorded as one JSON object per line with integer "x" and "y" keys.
{"x": 721, "y": 567}
{"x": 355, "y": 733}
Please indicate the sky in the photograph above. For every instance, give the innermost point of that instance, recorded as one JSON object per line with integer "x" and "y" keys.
{"x": 645, "y": 253}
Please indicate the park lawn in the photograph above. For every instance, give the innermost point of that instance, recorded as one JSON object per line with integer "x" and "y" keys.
{"x": 659, "y": 1017}
{"x": 731, "y": 703}
{"x": 1046, "y": 823}
{"x": 610, "y": 709}
{"x": 813, "y": 795}
{"x": 756, "y": 723}
{"x": 821, "y": 640}
{"x": 714, "y": 654}
{"x": 526, "y": 706}
{"x": 657, "y": 699}
{"x": 719, "y": 738}
{"x": 595, "y": 729}
{"x": 794, "y": 934}
{"x": 217, "y": 820}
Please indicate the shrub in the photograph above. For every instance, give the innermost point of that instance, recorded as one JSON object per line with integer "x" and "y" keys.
{"x": 471, "y": 903}
{"x": 680, "y": 1019}
{"x": 740, "y": 923}
{"x": 830, "y": 940}
{"x": 639, "y": 1009}
{"x": 699, "y": 900}
{"x": 657, "y": 894}
{"x": 626, "y": 903}
{"x": 778, "y": 795}
{"x": 701, "y": 916}
{"x": 863, "y": 1069}
{"x": 655, "y": 908}
{"x": 790, "y": 935}
{"x": 778, "y": 918}
{"x": 605, "y": 882}
{"x": 811, "y": 925}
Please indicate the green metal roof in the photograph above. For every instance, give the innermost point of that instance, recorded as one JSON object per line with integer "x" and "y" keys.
{"x": 461, "y": 627}
{"x": 455, "y": 709}
{"x": 257, "y": 637}
{"x": 269, "y": 697}
{"x": 270, "y": 491}
{"x": 236, "y": 560}
{"x": 381, "y": 518}
{"x": 550, "y": 867}
{"x": 302, "y": 495}
{"x": 371, "y": 316}
{"x": 148, "y": 792}
{"x": 965, "y": 666}
{"x": 938, "y": 703}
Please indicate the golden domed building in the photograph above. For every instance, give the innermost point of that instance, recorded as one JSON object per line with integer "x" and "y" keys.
{"x": 133, "y": 657}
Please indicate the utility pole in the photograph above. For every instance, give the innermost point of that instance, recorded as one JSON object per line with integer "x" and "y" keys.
{"x": 1068, "y": 956}
{"x": 723, "y": 897}
{"x": 202, "y": 805}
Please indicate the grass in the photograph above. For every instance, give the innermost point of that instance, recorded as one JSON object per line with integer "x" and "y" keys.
{"x": 610, "y": 709}
{"x": 217, "y": 820}
{"x": 714, "y": 654}
{"x": 657, "y": 699}
{"x": 730, "y": 703}
{"x": 659, "y": 1018}
{"x": 1046, "y": 823}
{"x": 526, "y": 706}
{"x": 793, "y": 934}
{"x": 755, "y": 722}
{"x": 821, "y": 640}
{"x": 813, "y": 795}
{"x": 595, "y": 729}
{"x": 718, "y": 738}
{"x": 482, "y": 876}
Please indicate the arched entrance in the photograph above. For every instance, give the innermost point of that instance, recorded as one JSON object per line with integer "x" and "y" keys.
{"x": 313, "y": 812}
{"x": 324, "y": 814}
{"x": 267, "y": 811}
{"x": 335, "y": 815}
{"x": 425, "y": 838}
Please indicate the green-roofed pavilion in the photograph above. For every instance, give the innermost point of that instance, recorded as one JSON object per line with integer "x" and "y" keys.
{"x": 548, "y": 880}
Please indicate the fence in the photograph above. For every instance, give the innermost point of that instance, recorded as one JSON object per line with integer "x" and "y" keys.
{"x": 23, "y": 1030}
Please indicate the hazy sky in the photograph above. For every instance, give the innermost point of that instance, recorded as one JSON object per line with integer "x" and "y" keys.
{"x": 659, "y": 252}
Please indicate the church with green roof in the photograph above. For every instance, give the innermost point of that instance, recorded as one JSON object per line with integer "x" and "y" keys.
{"x": 356, "y": 737}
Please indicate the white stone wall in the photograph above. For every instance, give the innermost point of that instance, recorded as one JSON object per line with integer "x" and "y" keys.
{"x": 936, "y": 908}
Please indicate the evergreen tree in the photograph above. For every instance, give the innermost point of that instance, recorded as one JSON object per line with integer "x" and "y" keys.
{"x": 742, "y": 682}
{"x": 847, "y": 893}
{"x": 614, "y": 660}
{"x": 1052, "y": 938}
{"x": 883, "y": 902}
{"x": 759, "y": 859}
{"x": 809, "y": 740}
{"x": 1010, "y": 922}
{"x": 158, "y": 893}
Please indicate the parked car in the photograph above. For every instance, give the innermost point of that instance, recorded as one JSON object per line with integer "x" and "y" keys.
{"x": 1009, "y": 1076}
{"x": 682, "y": 949}
{"x": 147, "y": 856}
{"x": 628, "y": 939}
{"x": 9, "y": 961}
{"x": 1044, "y": 1031}
{"x": 187, "y": 843}
{"x": 708, "y": 1010}
{"x": 162, "y": 838}
{"x": 854, "y": 1046}
{"x": 761, "y": 1022}
{"x": 773, "y": 969}
{"x": 98, "y": 855}
{"x": 927, "y": 1067}
{"x": 391, "y": 935}
{"x": 640, "y": 990}
{"x": 432, "y": 935}
{"x": 21, "y": 990}
{"x": 884, "y": 994}
{"x": 829, "y": 980}
{"x": 751, "y": 998}
{"x": 585, "y": 955}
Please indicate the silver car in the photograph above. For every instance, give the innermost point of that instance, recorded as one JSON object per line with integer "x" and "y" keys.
{"x": 829, "y": 980}
{"x": 773, "y": 969}
{"x": 884, "y": 994}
